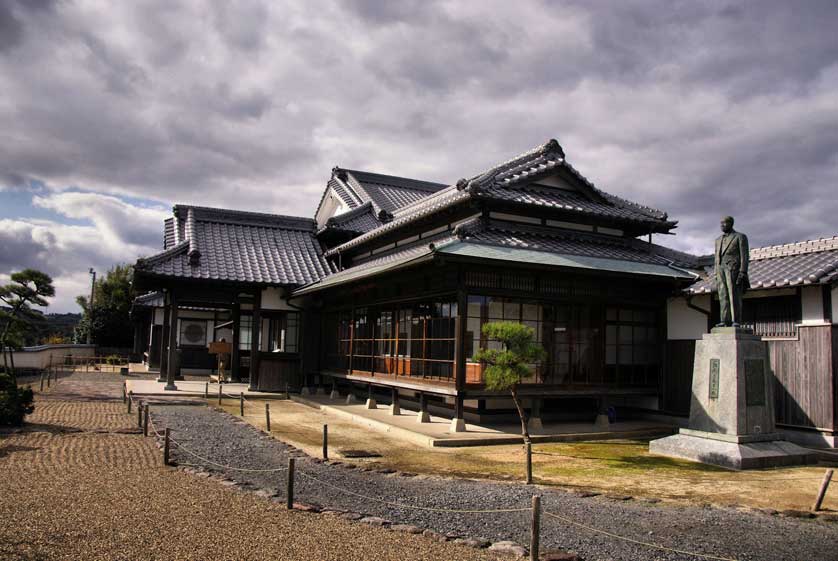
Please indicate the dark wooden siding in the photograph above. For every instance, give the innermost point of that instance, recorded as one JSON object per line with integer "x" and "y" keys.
{"x": 677, "y": 379}
{"x": 805, "y": 375}
{"x": 804, "y": 369}
{"x": 275, "y": 372}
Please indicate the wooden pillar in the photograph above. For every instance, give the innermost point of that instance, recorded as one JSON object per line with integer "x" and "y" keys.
{"x": 458, "y": 423}
{"x": 460, "y": 340}
{"x": 254, "y": 340}
{"x": 423, "y": 416}
{"x": 535, "y": 424}
{"x": 164, "y": 340}
{"x": 395, "y": 407}
{"x": 235, "y": 355}
{"x": 172, "y": 363}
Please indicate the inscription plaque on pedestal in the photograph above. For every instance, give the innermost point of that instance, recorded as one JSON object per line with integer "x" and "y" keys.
{"x": 714, "y": 378}
{"x": 754, "y": 381}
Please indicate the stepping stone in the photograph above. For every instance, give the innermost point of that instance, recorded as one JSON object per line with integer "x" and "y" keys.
{"x": 374, "y": 521}
{"x": 586, "y": 494}
{"x": 407, "y": 528}
{"x": 560, "y": 556}
{"x": 306, "y": 507}
{"x": 508, "y": 547}
{"x": 476, "y": 543}
{"x": 352, "y": 515}
{"x": 619, "y": 497}
{"x": 352, "y": 453}
{"x": 434, "y": 536}
{"x": 797, "y": 513}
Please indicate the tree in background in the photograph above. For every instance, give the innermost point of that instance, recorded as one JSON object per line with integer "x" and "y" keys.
{"x": 507, "y": 366}
{"x": 112, "y": 299}
{"x": 28, "y": 288}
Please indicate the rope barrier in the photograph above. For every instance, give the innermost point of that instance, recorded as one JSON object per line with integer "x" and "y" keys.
{"x": 638, "y": 542}
{"x": 415, "y": 507}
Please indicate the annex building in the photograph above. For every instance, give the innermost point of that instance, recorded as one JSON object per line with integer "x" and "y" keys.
{"x": 384, "y": 292}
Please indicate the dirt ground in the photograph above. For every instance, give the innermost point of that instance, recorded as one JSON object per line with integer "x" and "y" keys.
{"x": 79, "y": 483}
{"x": 616, "y": 466}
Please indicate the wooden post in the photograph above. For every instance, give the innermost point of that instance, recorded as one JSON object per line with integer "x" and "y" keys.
{"x": 206, "y": 390}
{"x": 219, "y": 390}
{"x": 827, "y": 477}
{"x": 166, "y": 436}
{"x": 130, "y": 399}
{"x": 529, "y": 463}
{"x": 42, "y": 383}
{"x": 140, "y": 415}
{"x": 268, "y": 416}
{"x": 536, "y": 527}
{"x": 48, "y": 378}
{"x": 289, "y": 489}
{"x": 325, "y": 442}
{"x": 124, "y": 395}
{"x": 241, "y": 404}
{"x": 145, "y": 420}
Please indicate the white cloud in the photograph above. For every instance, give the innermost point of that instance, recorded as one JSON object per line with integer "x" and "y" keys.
{"x": 700, "y": 109}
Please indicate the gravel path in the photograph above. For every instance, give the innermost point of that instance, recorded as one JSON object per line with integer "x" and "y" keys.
{"x": 726, "y": 533}
{"x": 76, "y": 486}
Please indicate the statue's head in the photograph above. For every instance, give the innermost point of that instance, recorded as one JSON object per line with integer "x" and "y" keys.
{"x": 727, "y": 224}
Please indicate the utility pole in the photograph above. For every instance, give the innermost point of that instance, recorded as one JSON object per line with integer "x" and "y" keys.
{"x": 90, "y": 304}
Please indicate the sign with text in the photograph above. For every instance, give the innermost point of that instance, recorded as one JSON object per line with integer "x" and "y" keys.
{"x": 220, "y": 348}
{"x": 714, "y": 378}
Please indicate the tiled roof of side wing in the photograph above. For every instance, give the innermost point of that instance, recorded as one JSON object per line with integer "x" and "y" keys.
{"x": 794, "y": 264}
{"x": 241, "y": 247}
{"x": 168, "y": 233}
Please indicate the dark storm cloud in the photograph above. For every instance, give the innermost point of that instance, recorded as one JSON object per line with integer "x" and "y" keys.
{"x": 700, "y": 108}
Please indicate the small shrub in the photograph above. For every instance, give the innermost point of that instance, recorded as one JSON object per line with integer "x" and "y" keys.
{"x": 15, "y": 402}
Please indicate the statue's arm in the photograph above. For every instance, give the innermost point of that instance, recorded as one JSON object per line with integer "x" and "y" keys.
{"x": 745, "y": 254}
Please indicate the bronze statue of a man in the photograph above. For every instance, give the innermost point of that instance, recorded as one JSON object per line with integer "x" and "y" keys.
{"x": 732, "y": 257}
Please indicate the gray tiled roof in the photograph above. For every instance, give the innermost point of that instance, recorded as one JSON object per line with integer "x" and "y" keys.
{"x": 794, "y": 264}
{"x": 237, "y": 246}
{"x": 388, "y": 192}
{"x": 512, "y": 181}
{"x": 358, "y": 220}
{"x": 567, "y": 242}
{"x": 384, "y": 192}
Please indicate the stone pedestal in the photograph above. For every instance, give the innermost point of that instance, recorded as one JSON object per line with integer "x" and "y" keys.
{"x": 732, "y": 408}
{"x": 458, "y": 425}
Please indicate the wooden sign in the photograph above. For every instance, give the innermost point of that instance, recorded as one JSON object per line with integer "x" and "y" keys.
{"x": 220, "y": 348}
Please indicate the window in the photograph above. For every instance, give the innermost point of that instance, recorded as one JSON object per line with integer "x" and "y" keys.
{"x": 282, "y": 333}
{"x": 415, "y": 340}
{"x": 192, "y": 332}
{"x": 775, "y": 316}
{"x": 245, "y": 330}
{"x": 485, "y": 309}
{"x": 631, "y": 347}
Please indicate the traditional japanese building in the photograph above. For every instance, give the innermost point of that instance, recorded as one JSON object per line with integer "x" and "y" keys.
{"x": 385, "y": 291}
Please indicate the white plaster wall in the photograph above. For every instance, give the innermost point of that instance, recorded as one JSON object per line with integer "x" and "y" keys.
{"x": 158, "y": 316}
{"x": 272, "y": 300}
{"x": 682, "y": 322}
{"x": 194, "y": 314}
{"x": 811, "y": 300}
{"x": 43, "y": 356}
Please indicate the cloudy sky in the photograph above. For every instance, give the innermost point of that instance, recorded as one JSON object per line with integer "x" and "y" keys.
{"x": 110, "y": 112}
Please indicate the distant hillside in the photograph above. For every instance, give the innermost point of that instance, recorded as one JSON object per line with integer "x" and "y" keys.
{"x": 58, "y": 324}
{"x": 52, "y": 325}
